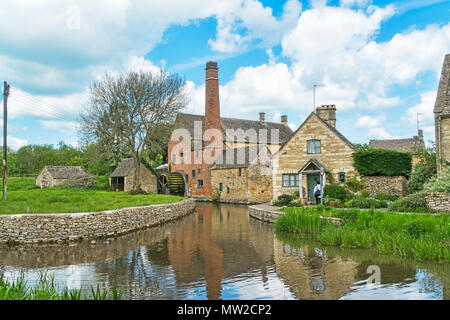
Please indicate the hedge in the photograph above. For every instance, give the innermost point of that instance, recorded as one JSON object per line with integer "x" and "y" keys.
{"x": 381, "y": 162}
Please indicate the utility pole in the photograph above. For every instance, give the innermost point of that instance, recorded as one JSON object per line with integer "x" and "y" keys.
{"x": 314, "y": 94}
{"x": 5, "y": 133}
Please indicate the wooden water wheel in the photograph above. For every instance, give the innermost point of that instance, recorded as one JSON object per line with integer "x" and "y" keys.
{"x": 173, "y": 181}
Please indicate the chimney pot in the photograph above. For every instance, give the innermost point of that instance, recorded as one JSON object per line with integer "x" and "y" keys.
{"x": 284, "y": 119}
{"x": 262, "y": 116}
{"x": 420, "y": 133}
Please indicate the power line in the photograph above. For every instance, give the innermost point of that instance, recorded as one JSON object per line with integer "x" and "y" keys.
{"x": 40, "y": 106}
{"x": 39, "y": 103}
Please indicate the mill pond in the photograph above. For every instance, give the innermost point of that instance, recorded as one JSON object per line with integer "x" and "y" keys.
{"x": 219, "y": 252}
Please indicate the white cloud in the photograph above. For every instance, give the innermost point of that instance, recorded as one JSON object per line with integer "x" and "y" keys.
{"x": 257, "y": 21}
{"x": 52, "y": 46}
{"x": 15, "y": 143}
{"x": 425, "y": 108}
{"x": 380, "y": 133}
{"x": 64, "y": 127}
{"x": 369, "y": 121}
{"x": 356, "y": 3}
{"x": 333, "y": 46}
{"x": 23, "y": 104}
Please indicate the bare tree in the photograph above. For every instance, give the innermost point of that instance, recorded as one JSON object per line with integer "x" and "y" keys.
{"x": 123, "y": 110}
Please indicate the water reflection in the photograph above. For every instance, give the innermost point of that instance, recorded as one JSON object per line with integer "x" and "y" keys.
{"x": 220, "y": 253}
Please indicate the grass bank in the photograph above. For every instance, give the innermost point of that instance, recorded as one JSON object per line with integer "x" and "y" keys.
{"x": 420, "y": 236}
{"x": 25, "y": 197}
{"x": 47, "y": 289}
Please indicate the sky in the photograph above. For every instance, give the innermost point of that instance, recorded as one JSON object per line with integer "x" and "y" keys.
{"x": 379, "y": 61}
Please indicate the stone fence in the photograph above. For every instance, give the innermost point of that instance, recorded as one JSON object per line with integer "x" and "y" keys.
{"x": 63, "y": 227}
{"x": 395, "y": 185}
{"x": 438, "y": 201}
{"x": 265, "y": 213}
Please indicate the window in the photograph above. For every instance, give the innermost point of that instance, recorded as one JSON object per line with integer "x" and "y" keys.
{"x": 200, "y": 184}
{"x": 220, "y": 187}
{"x": 187, "y": 179}
{"x": 228, "y": 189}
{"x": 290, "y": 180}
{"x": 174, "y": 157}
{"x": 240, "y": 172}
{"x": 182, "y": 157}
{"x": 313, "y": 147}
{"x": 193, "y": 173}
{"x": 341, "y": 177}
{"x": 198, "y": 171}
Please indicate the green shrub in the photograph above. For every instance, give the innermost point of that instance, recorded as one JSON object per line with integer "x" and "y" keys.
{"x": 439, "y": 185}
{"x": 423, "y": 171}
{"x": 336, "y": 192}
{"x": 295, "y": 203}
{"x": 285, "y": 199}
{"x": 296, "y": 194}
{"x": 354, "y": 184}
{"x": 381, "y": 162}
{"x": 367, "y": 203}
{"x": 413, "y": 203}
{"x": 364, "y": 193}
{"x": 386, "y": 196}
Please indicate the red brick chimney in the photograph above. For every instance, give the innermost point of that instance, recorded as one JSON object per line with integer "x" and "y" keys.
{"x": 212, "y": 105}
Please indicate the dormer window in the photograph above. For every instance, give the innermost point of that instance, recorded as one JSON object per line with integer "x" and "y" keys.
{"x": 313, "y": 147}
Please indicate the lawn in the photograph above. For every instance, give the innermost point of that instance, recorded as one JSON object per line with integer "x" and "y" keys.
{"x": 25, "y": 197}
{"x": 420, "y": 236}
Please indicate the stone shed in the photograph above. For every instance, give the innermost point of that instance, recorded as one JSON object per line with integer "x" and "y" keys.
{"x": 52, "y": 176}
{"x": 123, "y": 177}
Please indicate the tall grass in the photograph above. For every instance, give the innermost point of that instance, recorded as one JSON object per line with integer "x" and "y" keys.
{"x": 25, "y": 197}
{"x": 47, "y": 289}
{"x": 421, "y": 236}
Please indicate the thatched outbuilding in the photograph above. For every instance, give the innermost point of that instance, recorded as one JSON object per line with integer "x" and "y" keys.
{"x": 123, "y": 177}
{"x": 52, "y": 176}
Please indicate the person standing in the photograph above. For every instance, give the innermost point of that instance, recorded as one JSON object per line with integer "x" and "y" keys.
{"x": 318, "y": 192}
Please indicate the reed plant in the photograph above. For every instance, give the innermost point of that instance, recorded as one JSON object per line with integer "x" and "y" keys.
{"x": 420, "y": 236}
{"x": 47, "y": 288}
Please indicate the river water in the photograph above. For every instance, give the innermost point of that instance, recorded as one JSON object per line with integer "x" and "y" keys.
{"x": 219, "y": 252}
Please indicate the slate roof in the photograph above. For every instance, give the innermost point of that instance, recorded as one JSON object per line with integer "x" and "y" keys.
{"x": 442, "y": 104}
{"x": 250, "y": 154}
{"x": 124, "y": 168}
{"x": 403, "y": 145}
{"x": 64, "y": 172}
{"x": 186, "y": 121}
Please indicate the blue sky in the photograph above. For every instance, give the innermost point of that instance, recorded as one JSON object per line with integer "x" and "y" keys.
{"x": 380, "y": 61}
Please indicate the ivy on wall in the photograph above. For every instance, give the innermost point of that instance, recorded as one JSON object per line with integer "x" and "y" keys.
{"x": 381, "y": 162}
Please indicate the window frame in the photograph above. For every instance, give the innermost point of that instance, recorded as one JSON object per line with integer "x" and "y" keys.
{"x": 290, "y": 180}
{"x": 313, "y": 149}
{"x": 200, "y": 185}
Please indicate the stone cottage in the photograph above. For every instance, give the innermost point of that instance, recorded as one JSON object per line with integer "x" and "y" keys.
{"x": 316, "y": 151}
{"x": 52, "y": 176}
{"x": 189, "y": 158}
{"x": 243, "y": 175}
{"x": 442, "y": 117}
{"x": 414, "y": 145}
{"x": 123, "y": 176}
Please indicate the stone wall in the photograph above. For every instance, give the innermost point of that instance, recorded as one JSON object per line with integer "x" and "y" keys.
{"x": 265, "y": 213}
{"x": 260, "y": 183}
{"x": 438, "y": 201}
{"x": 230, "y": 179}
{"x": 335, "y": 156}
{"x": 147, "y": 179}
{"x": 395, "y": 185}
{"x": 36, "y": 228}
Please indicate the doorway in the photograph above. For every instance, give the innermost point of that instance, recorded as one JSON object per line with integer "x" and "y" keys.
{"x": 312, "y": 182}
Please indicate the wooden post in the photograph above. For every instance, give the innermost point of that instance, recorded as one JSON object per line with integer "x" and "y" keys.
{"x": 5, "y": 134}
{"x": 300, "y": 185}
